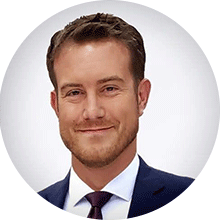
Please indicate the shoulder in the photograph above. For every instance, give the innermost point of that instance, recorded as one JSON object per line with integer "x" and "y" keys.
{"x": 50, "y": 190}
{"x": 172, "y": 181}
{"x": 155, "y": 188}
{"x": 56, "y": 193}
{"x": 167, "y": 179}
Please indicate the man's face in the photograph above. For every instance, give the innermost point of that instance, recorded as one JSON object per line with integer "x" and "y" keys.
{"x": 96, "y": 102}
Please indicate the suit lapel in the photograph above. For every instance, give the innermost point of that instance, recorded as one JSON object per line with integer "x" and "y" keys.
{"x": 59, "y": 192}
{"x": 147, "y": 186}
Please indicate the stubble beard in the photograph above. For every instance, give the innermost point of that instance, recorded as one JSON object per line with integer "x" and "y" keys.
{"x": 96, "y": 157}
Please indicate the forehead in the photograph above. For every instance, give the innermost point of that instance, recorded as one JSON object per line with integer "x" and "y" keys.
{"x": 92, "y": 59}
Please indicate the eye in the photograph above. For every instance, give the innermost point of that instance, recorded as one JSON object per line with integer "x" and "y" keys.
{"x": 110, "y": 89}
{"x": 74, "y": 93}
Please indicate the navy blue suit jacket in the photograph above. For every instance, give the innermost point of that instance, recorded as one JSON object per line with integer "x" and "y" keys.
{"x": 153, "y": 189}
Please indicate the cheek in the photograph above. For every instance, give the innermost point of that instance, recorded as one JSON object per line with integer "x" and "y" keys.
{"x": 68, "y": 113}
{"x": 125, "y": 110}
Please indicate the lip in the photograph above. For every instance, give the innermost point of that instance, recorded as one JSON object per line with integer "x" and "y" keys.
{"x": 95, "y": 130}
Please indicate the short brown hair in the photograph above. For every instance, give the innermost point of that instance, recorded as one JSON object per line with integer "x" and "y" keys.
{"x": 96, "y": 27}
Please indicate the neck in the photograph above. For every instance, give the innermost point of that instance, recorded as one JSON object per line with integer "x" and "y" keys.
{"x": 98, "y": 178}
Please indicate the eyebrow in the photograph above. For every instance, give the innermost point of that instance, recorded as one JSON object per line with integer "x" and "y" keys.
{"x": 110, "y": 78}
{"x": 101, "y": 81}
{"x": 70, "y": 85}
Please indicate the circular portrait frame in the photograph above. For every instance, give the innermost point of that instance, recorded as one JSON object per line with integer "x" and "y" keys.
{"x": 180, "y": 117}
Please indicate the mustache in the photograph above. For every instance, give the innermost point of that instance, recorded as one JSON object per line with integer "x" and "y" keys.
{"x": 92, "y": 124}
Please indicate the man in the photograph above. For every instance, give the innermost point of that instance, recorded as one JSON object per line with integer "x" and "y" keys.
{"x": 96, "y": 64}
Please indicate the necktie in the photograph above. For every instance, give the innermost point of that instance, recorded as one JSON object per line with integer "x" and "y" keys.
{"x": 97, "y": 200}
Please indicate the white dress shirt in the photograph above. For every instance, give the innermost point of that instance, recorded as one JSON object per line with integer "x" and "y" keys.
{"x": 121, "y": 187}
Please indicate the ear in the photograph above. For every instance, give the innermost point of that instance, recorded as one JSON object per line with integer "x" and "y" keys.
{"x": 143, "y": 94}
{"x": 54, "y": 102}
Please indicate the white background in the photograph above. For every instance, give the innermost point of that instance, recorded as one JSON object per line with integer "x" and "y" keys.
{"x": 177, "y": 130}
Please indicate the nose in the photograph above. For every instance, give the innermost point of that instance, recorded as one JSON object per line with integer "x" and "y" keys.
{"x": 93, "y": 108}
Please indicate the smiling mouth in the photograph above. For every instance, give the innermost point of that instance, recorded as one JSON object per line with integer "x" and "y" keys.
{"x": 95, "y": 130}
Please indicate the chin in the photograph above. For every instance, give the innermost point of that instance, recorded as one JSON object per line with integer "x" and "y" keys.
{"x": 96, "y": 156}
{"x": 99, "y": 152}
{"x": 96, "y": 163}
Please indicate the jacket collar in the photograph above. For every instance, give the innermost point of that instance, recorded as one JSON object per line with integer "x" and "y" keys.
{"x": 148, "y": 184}
{"x": 59, "y": 196}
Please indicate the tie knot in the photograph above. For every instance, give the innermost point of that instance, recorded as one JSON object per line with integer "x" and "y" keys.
{"x": 98, "y": 199}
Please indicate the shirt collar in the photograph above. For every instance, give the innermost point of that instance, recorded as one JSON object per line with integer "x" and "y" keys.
{"x": 121, "y": 186}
